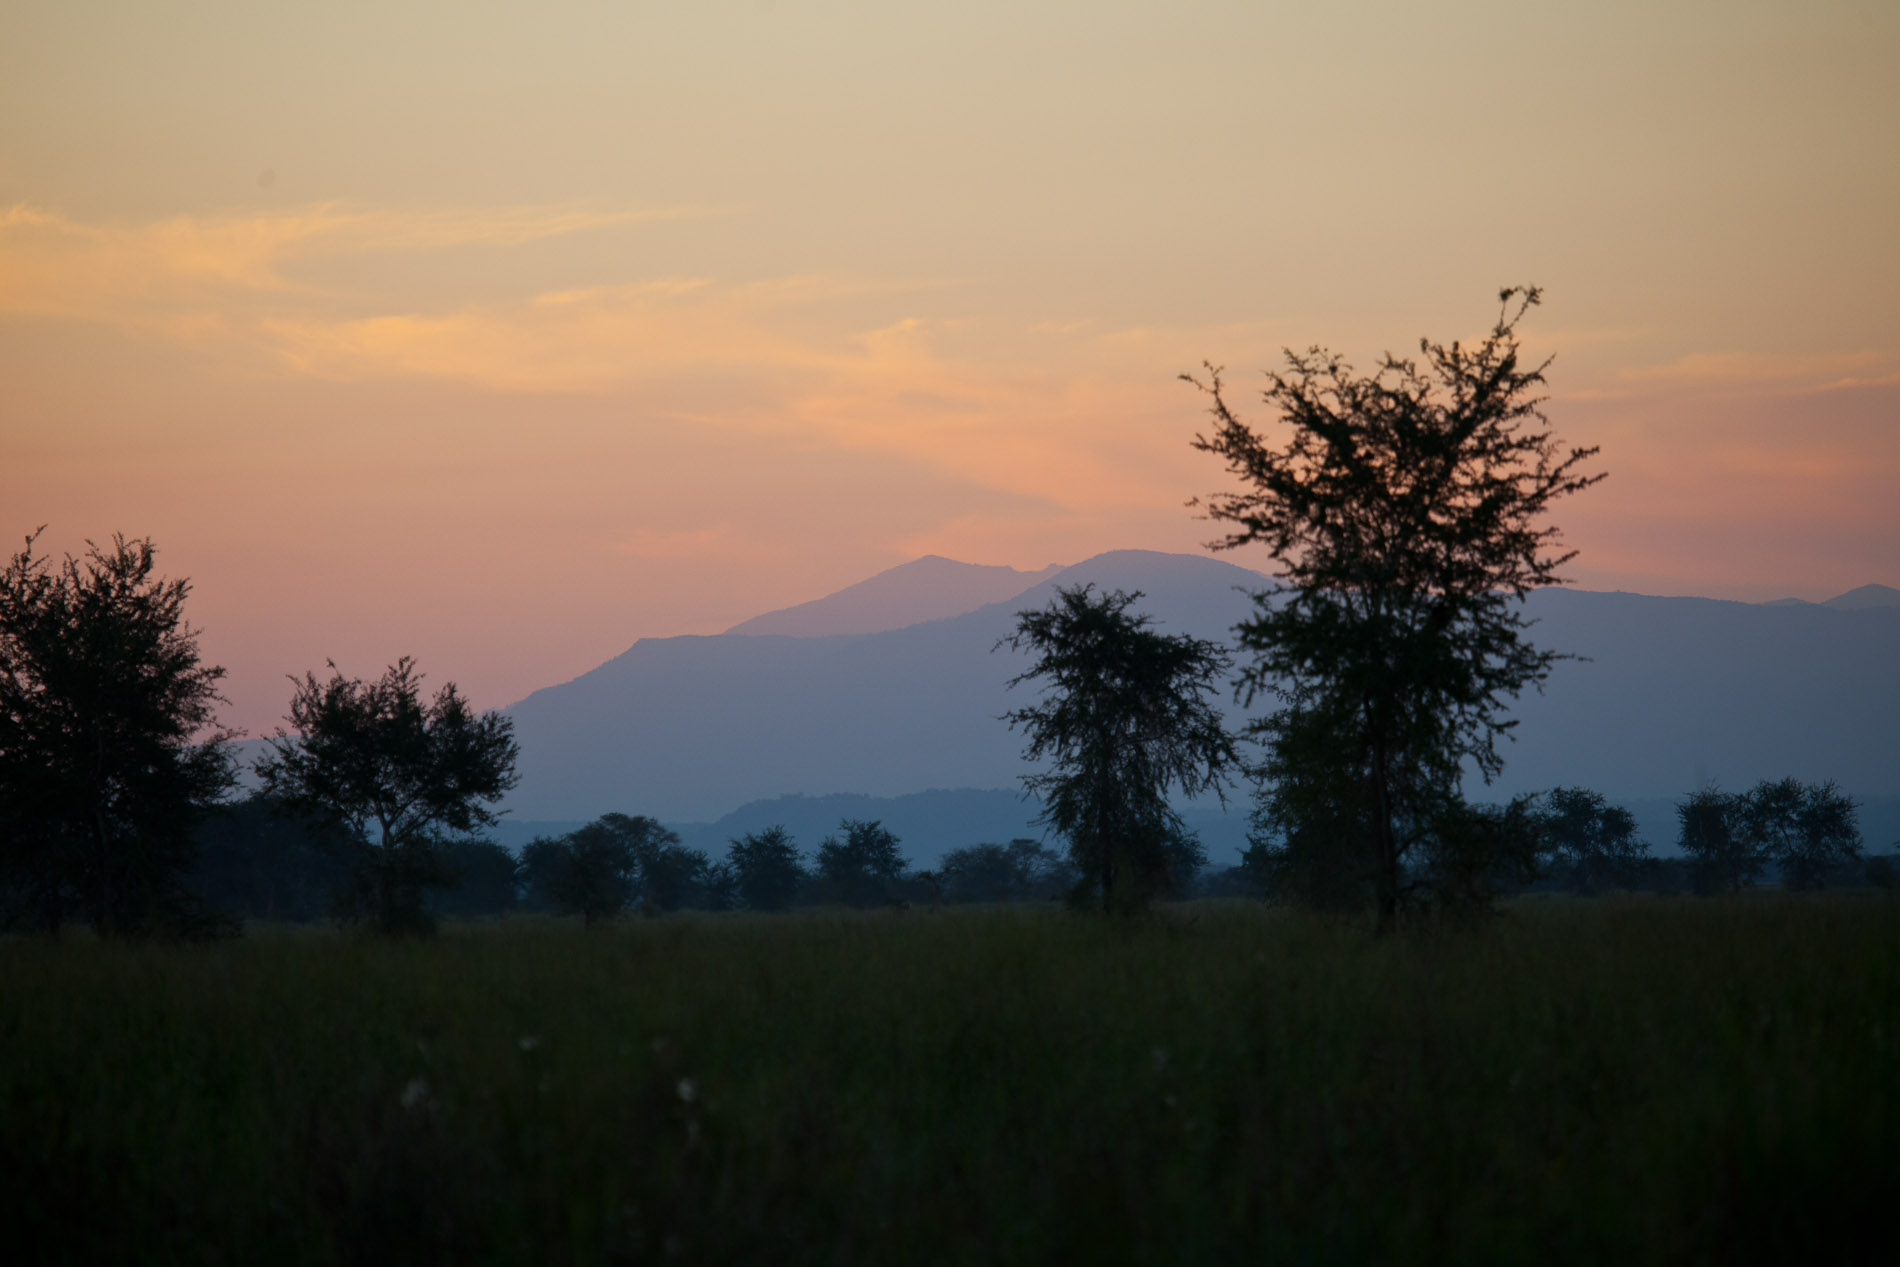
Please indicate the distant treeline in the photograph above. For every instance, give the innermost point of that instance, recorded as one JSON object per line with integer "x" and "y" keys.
{"x": 256, "y": 862}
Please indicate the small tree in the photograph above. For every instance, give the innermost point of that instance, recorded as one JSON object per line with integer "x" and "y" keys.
{"x": 1404, "y": 513}
{"x": 596, "y": 871}
{"x": 766, "y": 869}
{"x": 1475, "y": 854}
{"x": 109, "y": 751}
{"x": 717, "y": 888}
{"x": 1723, "y": 853}
{"x": 590, "y": 872}
{"x": 1023, "y": 870}
{"x": 481, "y": 878}
{"x": 398, "y": 773}
{"x": 861, "y": 869}
{"x": 1125, "y": 719}
{"x": 1806, "y": 829}
{"x": 1591, "y": 841}
{"x": 675, "y": 876}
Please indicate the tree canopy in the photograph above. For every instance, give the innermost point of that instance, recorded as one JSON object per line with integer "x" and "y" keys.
{"x": 1591, "y": 841}
{"x": 1404, "y": 511}
{"x": 397, "y": 772}
{"x": 1125, "y": 719}
{"x": 1805, "y": 830}
{"x": 109, "y": 749}
{"x": 861, "y": 868}
{"x": 766, "y": 869}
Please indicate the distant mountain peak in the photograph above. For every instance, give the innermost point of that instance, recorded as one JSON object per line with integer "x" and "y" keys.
{"x": 1864, "y": 597}
{"x": 928, "y": 588}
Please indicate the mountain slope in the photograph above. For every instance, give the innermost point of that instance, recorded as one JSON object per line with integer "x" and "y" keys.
{"x": 691, "y": 727}
{"x": 1864, "y": 597}
{"x": 1676, "y": 691}
{"x": 930, "y": 588}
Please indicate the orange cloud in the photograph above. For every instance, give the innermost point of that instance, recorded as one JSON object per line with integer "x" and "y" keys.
{"x": 185, "y": 273}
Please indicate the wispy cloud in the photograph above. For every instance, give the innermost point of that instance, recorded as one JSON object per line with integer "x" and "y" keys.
{"x": 1716, "y": 369}
{"x": 187, "y": 272}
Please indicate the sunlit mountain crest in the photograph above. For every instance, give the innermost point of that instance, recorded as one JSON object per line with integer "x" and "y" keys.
{"x": 929, "y": 588}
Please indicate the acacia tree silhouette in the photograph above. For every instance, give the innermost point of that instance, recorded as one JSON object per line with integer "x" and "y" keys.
{"x": 1593, "y": 841}
{"x": 1125, "y": 720}
{"x": 109, "y": 750}
{"x": 1404, "y": 512}
{"x": 766, "y": 868}
{"x": 862, "y": 868}
{"x": 375, "y": 756}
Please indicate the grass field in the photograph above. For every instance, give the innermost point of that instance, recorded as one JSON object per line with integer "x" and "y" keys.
{"x": 1647, "y": 1079}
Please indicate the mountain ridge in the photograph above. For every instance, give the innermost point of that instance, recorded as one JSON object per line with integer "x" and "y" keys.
{"x": 928, "y": 588}
{"x": 1675, "y": 691}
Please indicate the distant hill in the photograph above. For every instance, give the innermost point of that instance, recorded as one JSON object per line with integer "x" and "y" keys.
{"x": 929, "y": 588}
{"x": 1865, "y": 597}
{"x": 1675, "y": 691}
{"x": 1860, "y": 599}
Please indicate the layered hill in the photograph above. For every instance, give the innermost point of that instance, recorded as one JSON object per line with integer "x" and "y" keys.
{"x": 930, "y": 588}
{"x": 1674, "y": 692}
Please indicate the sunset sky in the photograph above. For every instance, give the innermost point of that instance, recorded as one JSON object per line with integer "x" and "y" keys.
{"x": 502, "y": 335}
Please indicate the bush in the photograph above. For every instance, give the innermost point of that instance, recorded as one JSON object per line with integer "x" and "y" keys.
{"x": 1021, "y": 871}
{"x": 765, "y": 869}
{"x": 863, "y": 868}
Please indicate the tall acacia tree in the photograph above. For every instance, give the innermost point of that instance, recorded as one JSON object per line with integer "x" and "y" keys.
{"x": 397, "y": 773}
{"x": 109, "y": 748}
{"x": 1125, "y": 719}
{"x": 1405, "y": 513}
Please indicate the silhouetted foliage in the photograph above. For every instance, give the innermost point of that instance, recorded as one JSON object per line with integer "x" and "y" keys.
{"x": 109, "y": 752}
{"x": 766, "y": 869}
{"x": 1592, "y": 844}
{"x": 254, "y": 861}
{"x": 863, "y": 868}
{"x": 398, "y": 773}
{"x": 1404, "y": 514}
{"x": 480, "y": 878}
{"x": 1186, "y": 859}
{"x": 1312, "y": 839}
{"x": 717, "y": 887}
{"x": 1807, "y": 830}
{"x": 1881, "y": 871}
{"x": 1124, "y": 719}
{"x": 590, "y": 872}
{"x": 1476, "y": 854}
{"x": 673, "y": 876}
{"x": 1722, "y": 853}
{"x": 1022, "y": 871}
{"x": 618, "y": 860}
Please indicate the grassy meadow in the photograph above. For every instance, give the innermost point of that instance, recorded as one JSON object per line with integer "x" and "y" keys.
{"x": 1681, "y": 1080}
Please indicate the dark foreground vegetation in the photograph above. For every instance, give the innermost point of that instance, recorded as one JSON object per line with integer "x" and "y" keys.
{"x": 1656, "y": 1079}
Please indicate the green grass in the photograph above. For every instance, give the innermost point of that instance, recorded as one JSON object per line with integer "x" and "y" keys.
{"x": 1652, "y": 1079}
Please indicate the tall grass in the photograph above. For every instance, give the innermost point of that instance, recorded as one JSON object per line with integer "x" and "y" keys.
{"x": 1659, "y": 1079}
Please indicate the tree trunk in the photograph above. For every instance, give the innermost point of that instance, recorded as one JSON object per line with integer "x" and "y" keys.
{"x": 1387, "y": 882}
{"x": 99, "y": 826}
{"x": 105, "y": 872}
